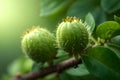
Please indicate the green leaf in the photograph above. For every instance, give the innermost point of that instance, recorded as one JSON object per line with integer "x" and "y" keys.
{"x": 66, "y": 76}
{"x": 116, "y": 40}
{"x": 114, "y": 45}
{"x": 99, "y": 15}
{"x": 61, "y": 56}
{"x": 117, "y": 19}
{"x": 21, "y": 65}
{"x": 110, "y": 5}
{"x": 51, "y": 7}
{"x": 50, "y": 77}
{"x": 115, "y": 48}
{"x": 36, "y": 66}
{"x": 108, "y": 29}
{"x": 79, "y": 71}
{"x": 81, "y": 8}
{"x": 103, "y": 63}
{"x": 90, "y": 23}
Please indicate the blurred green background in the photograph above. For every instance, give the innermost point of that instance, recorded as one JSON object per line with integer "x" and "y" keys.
{"x": 15, "y": 17}
{"x": 18, "y": 15}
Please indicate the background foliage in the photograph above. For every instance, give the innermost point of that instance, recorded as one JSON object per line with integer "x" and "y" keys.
{"x": 35, "y": 12}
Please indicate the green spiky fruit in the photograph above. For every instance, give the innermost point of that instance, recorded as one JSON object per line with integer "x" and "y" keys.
{"x": 72, "y": 35}
{"x": 39, "y": 45}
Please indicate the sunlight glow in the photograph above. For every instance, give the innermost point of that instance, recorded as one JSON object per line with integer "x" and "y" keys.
{"x": 15, "y": 12}
{"x": 5, "y": 9}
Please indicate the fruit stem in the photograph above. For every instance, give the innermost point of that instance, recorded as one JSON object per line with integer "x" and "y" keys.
{"x": 93, "y": 39}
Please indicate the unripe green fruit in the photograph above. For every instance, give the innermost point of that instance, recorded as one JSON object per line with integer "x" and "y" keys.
{"x": 72, "y": 35}
{"x": 39, "y": 45}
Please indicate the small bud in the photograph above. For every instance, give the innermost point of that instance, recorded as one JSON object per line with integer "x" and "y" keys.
{"x": 72, "y": 35}
{"x": 39, "y": 45}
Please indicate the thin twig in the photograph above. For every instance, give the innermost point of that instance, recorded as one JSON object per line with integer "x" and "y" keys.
{"x": 48, "y": 70}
